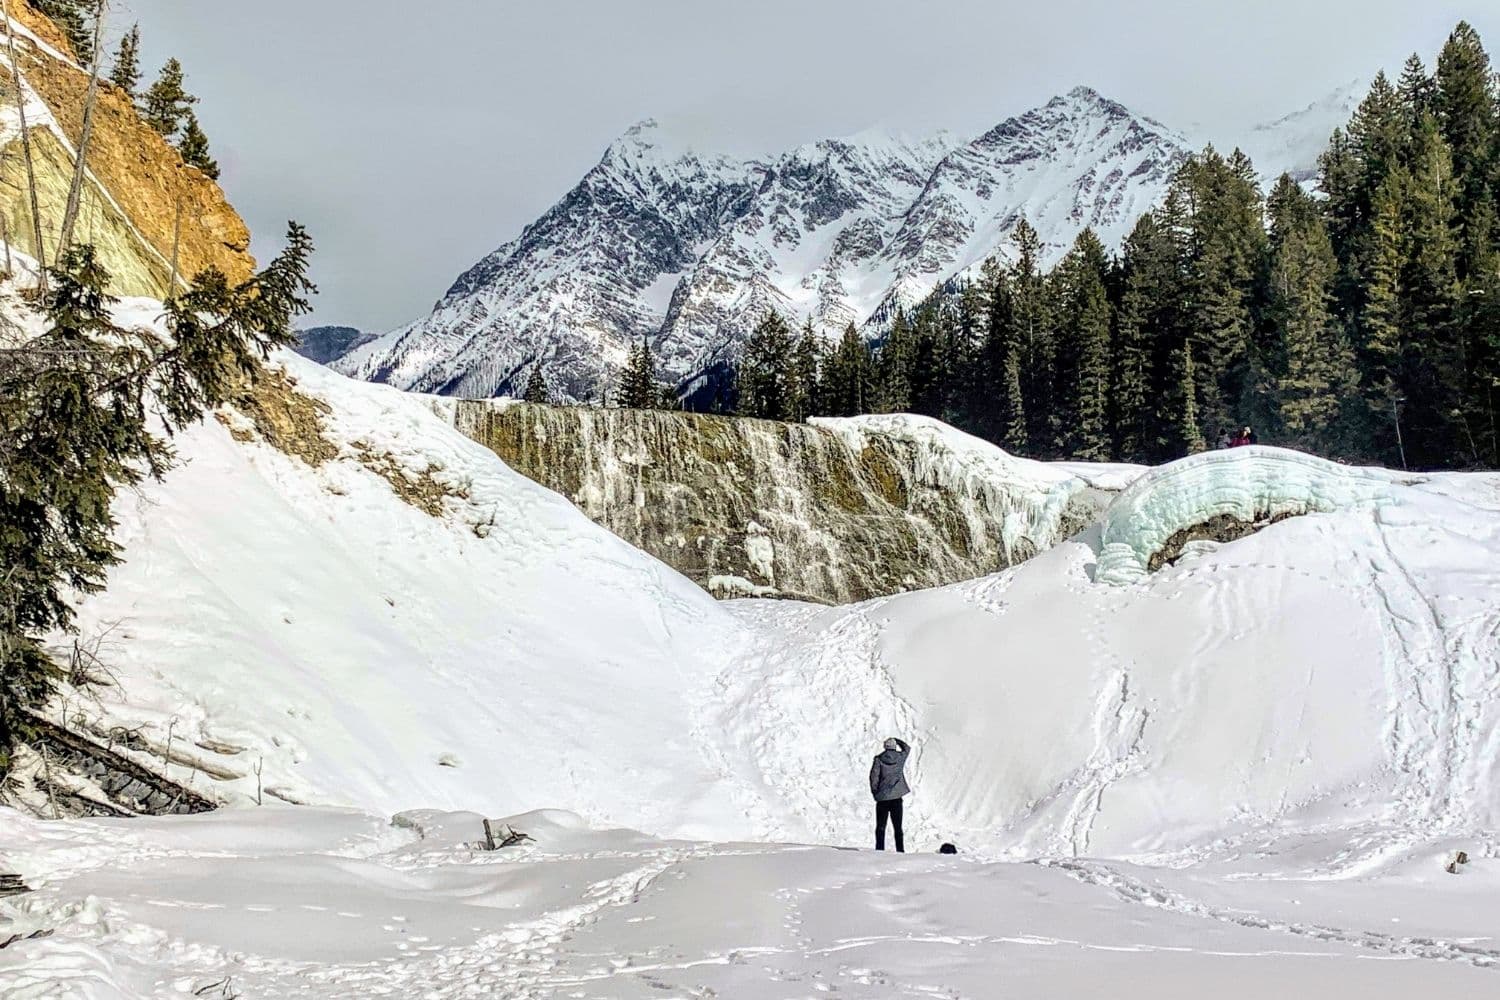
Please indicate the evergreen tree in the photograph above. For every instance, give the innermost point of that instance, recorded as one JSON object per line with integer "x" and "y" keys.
{"x": 1143, "y": 327}
{"x": 1227, "y": 242}
{"x": 928, "y": 375}
{"x": 78, "y": 404}
{"x": 126, "y": 73}
{"x": 1432, "y": 361}
{"x": 893, "y": 367}
{"x": 193, "y": 145}
{"x": 74, "y": 17}
{"x": 966, "y": 405}
{"x": 1004, "y": 419}
{"x": 165, "y": 105}
{"x": 765, "y": 375}
{"x": 1082, "y": 352}
{"x": 1381, "y": 341}
{"x": 1318, "y": 368}
{"x": 1466, "y": 113}
{"x": 1417, "y": 90}
{"x": 1180, "y": 412}
{"x": 847, "y": 381}
{"x": 805, "y": 372}
{"x": 536, "y": 387}
{"x": 637, "y": 387}
{"x": 1032, "y": 320}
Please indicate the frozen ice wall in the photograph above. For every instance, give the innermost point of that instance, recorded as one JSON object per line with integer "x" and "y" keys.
{"x": 1241, "y": 486}
{"x": 832, "y": 512}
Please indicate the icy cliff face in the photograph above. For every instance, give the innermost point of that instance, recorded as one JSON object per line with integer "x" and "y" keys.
{"x": 836, "y": 512}
{"x": 1224, "y": 493}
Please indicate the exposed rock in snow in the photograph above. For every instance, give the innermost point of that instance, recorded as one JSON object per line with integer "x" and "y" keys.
{"x": 324, "y": 344}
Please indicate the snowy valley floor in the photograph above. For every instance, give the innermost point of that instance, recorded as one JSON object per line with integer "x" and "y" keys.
{"x": 1239, "y": 774}
{"x": 318, "y": 903}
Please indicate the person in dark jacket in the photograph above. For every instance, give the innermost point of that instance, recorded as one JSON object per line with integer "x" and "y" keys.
{"x": 888, "y": 785}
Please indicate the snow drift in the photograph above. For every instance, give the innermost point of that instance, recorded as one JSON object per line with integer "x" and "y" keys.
{"x": 410, "y": 622}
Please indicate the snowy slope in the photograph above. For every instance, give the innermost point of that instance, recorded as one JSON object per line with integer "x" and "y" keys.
{"x": 508, "y": 654}
{"x": 320, "y": 904}
{"x": 1292, "y": 144}
{"x": 690, "y": 248}
{"x": 1263, "y": 751}
{"x": 363, "y": 651}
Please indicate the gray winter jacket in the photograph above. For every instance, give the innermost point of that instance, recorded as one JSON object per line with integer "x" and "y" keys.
{"x": 887, "y": 780}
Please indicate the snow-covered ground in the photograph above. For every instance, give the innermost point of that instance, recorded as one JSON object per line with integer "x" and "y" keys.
{"x": 1239, "y": 774}
{"x": 319, "y": 903}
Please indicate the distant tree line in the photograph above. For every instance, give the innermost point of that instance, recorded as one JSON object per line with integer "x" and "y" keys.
{"x": 1327, "y": 321}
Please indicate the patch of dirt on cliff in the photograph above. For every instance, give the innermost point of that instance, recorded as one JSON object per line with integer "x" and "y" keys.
{"x": 418, "y": 487}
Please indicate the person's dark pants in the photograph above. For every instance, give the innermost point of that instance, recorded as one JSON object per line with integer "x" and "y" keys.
{"x": 891, "y": 808}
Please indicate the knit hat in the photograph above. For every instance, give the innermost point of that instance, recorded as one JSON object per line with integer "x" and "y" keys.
{"x": 891, "y": 744}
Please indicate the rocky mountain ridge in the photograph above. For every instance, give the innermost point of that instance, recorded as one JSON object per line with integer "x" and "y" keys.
{"x": 688, "y": 249}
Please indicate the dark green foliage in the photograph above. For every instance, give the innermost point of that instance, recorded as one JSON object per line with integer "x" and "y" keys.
{"x": 77, "y": 406}
{"x": 1319, "y": 321}
{"x": 637, "y": 388}
{"x": 804, "y": 376}
{"x": 766, "y": 375}
{"x": 75, "y": 18}
{"x": 1082, "y": 354}
{"x": 536, "y": 388}
{"x": 1313, "y": 366}
{"x": 166, "y": 104}
{"x": 193, "y": 145}
{"x": 126, "y": 72}
{"x": 847, "y": 377}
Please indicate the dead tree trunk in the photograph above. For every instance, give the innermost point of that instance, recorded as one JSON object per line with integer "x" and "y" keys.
{"x": 176, "y": 239}
{"x": 80, "y": 169}
{"x": 36, "y": 210}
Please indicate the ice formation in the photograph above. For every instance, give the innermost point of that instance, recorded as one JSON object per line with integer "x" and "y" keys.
{"x": 1251, "y": 484}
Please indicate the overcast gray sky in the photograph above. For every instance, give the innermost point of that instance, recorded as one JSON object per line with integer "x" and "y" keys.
{"x": 414, "y": 137}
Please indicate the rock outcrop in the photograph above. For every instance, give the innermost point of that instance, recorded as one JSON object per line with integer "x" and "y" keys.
{"x": 835, "y": 512}
{"x": 138, "y": 189}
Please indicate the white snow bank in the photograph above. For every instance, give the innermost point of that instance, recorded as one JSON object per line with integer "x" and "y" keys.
{"x": 321, "y": 904}
{"x": 1251, "y": 484}
{"x": 506, "y": 654}
{"x": 1326, "y": 672}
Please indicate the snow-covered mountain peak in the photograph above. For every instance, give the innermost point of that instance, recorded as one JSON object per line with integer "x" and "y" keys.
{"x": 669, "y": 239}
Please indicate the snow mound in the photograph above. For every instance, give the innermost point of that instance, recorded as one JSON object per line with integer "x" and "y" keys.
{"x": 1250, "y": 485}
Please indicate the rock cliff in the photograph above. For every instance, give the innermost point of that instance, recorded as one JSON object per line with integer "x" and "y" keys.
{"x": 138, "y": 187}
{"x": 834, "y": 512}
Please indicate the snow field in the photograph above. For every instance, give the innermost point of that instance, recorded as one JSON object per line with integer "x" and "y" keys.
{"x": 320, "y": 903}
{"x": 1302, "y": 718}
